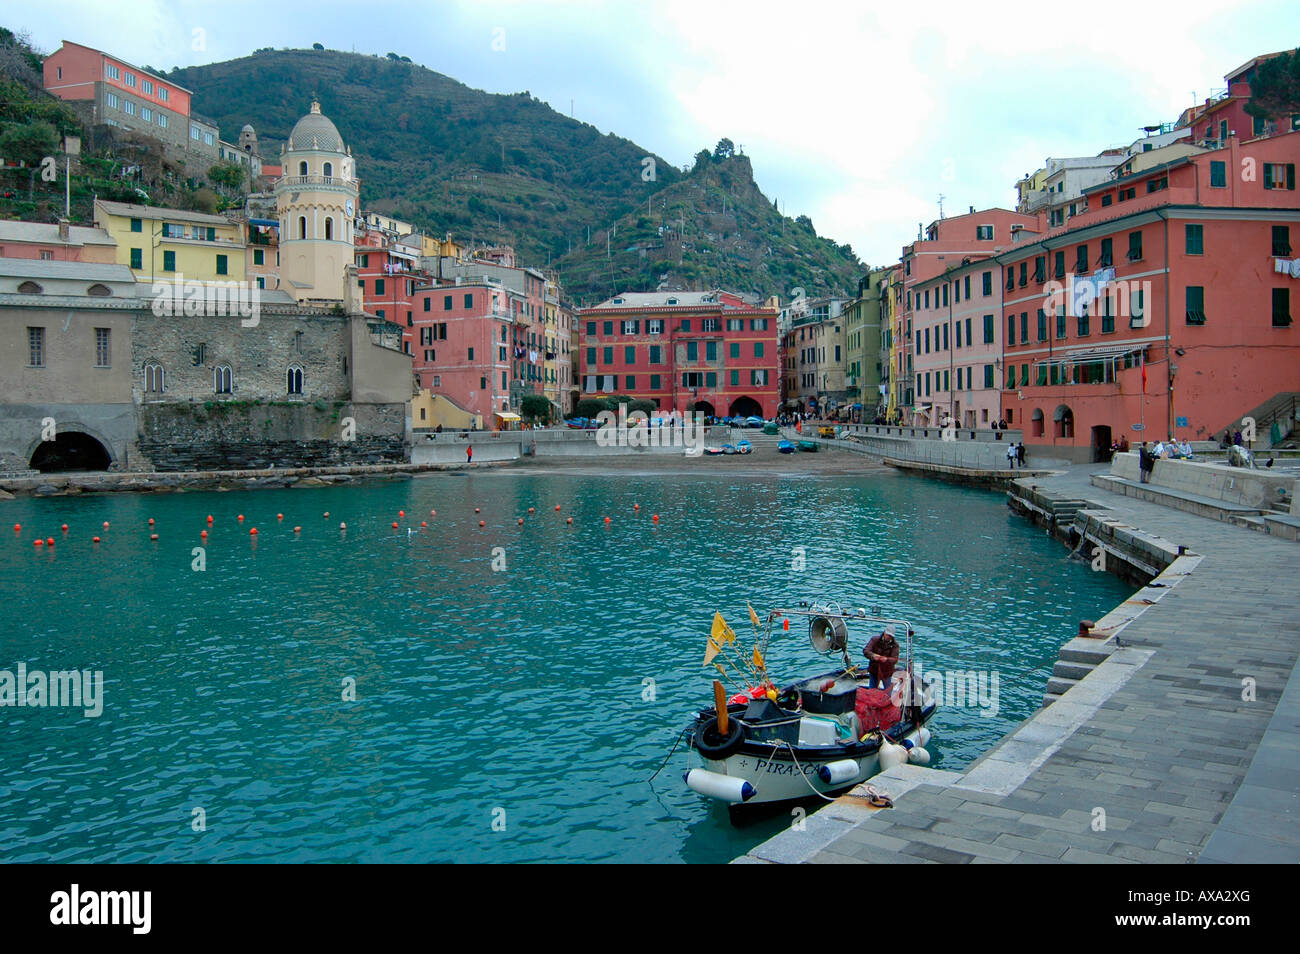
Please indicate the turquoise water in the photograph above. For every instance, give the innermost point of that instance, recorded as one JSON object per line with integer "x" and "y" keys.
{"x": 515, "y": 696}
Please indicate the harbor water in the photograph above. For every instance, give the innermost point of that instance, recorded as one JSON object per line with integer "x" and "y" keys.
{"x": 457, "y": 693}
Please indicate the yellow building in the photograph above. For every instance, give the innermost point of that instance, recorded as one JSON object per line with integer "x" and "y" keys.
{"x": 166, "y": 244}
{"x": 430, "y": 411}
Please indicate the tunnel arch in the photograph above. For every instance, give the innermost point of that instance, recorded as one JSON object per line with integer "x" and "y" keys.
{"x": 71, "y": 450}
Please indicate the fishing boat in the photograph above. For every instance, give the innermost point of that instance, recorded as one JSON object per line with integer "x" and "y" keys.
{"x": 808, "y": 446}
{"x": 744, "y": 447}
{"x": 728, "y": 448}
{"x": 817, "y": 736}
{"x": 785, "y": 447}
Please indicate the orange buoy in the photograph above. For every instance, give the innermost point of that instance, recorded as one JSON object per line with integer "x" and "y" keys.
{"x": 38, "y": 542}
{"x": 423, "y": 524}
{"x": 394, "y": 524}
{"x": 105, "y": 524}
{"x": 327, "y": 513}
{"x": 94, "y": 539}
{"x": 521, "y": 521}
{"x": 297, "y": 529}
{"x": 343, "y": 526}
{"x": 607, "y": 520}
{"x": 279, "y": 516}
{"x": 785, "y": 624}
{"x": 531, "y": 510}
{"x": 557, "y": 508}
{"x": 655, "y": 518}
{"x": 153, "y": 536}
{"x": 401, "y": 513}
{"x": 636, "y": 506}
{"x": 49, "y": 542}
{"x": 482, "y": 524}
{"x": 569, "y": 520}
{"x": 64, "y": 528}
{"x": 240, "y": 518}
{"x": 151, "y": 521}
{"x": 476, "y": 509}
{"x": 253, "y": 532}
{"x": 209, "y": 518}
{"x": 203, "y": 534}
{"x": 18, "y": 527}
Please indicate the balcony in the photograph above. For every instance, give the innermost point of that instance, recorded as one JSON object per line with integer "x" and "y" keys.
{"x": 338, "y": 181}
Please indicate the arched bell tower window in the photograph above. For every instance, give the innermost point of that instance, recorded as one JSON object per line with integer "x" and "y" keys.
{"x": 302, "y": 226}
{"x": 329, "y": 229}
{"x": 329, "y": 169}
{"x": 302, "y": 168}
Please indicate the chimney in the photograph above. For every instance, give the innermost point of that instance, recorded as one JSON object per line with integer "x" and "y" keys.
{"x": 64, "y": 231}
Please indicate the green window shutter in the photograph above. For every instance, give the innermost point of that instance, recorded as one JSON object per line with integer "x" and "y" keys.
{"x": 169, "y": 261}
{"x": 735, "y": 378}
{"x": 137, "y": 258}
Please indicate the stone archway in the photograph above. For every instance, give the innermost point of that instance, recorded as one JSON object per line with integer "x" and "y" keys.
{"x": 705, "y": 408}
{"x": 745, "y": 407}
{"x": 70, "y": 451}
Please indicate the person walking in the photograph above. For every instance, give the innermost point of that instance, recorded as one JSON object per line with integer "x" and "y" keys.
{"x": 1011, "y": 455}
{"x": 469, "y": 453}
{"x": 1020, "y": 454}
{"x": 1145, "y": 464}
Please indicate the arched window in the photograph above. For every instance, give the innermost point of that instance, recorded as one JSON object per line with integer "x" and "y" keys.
{"x": 155, "y": 379}
{"x": 222, "y": 380}
{"x": 302, "y": 226}
{"x": 1036, "y": 420}
{"x": 329, "y": 169}
{"x": 99, "y": 290}
{"x": 1064, "y": 419}
{"x": 30, "y": 288}
{"x": 293, "y": 383}
{"x": 329, "y": 228}
{"x": 302, "y": 168}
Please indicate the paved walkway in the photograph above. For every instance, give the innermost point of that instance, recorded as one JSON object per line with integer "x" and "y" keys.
{"x": 1156, "y": 758}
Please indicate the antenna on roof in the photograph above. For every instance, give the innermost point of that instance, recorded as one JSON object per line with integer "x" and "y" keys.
{"x": 940, "y": 205}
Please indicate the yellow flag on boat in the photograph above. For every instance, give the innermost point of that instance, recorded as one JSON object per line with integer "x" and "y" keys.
{"x": 758, "y": 659}
{"x": 752, "y": 615}
{"x": 722, "y": 633}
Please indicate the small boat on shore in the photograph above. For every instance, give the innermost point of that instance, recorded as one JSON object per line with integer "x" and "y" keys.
{"x": 728, "y": 448}
{"x": 808, "y": 446}
{"x": 785, "y": 447}
{"x": 744, "y": 447}
{"x": 713, "y": 451}
{"x": 817, "y": 736}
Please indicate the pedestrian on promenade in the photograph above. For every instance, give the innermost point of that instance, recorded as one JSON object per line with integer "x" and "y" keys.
{"x": 1145, "y": 463}
{"x": 1011, "y": 455}
{"x": 469, "y": 454}
{"x": 1020, "y": 453}
{"x": 1236, "y": 438}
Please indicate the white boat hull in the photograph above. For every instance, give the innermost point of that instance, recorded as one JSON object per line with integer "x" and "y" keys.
{"x": 776, "y": 778}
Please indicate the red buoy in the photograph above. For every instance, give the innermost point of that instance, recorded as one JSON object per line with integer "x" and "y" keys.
{"x": 569, "y": 520}
{"x": 240, "y": 518}
{"x": 49, "y": 542}
{"x": 253, "y": 532}
{"x": 655, "y": 518}
{"x": 105, "y": 524}
{"x": 64, "y": 528}
{"x": 38, "y": 542}
{"x": 209, "y": 518}
{"x": 297, "y": 529}
{"x": 521, "y": 521}
{"x": 279, "y": 516}
{"x": 401, "y": 513}
{"x": 151, "y": 521}
{"x": 476, "y": 509}
{"x": 203, "y": 534}
{"x": 531, "y": 510}
{"x": 394, "y": 524}
{"x": 636, "y": 506}
{"x": 94, "y": 539}
{"x": 18, "y": 528}
{"x": 482, "y": 524}
{"x": 423, "y": 524}
{"x": 557, "y": 507}
{"x": 153, "y": 536}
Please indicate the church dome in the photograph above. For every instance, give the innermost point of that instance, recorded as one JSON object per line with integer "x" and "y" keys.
{"x": 315, "y": 131}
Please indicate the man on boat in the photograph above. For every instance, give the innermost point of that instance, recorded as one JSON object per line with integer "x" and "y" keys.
{"x": 883, "y": 655}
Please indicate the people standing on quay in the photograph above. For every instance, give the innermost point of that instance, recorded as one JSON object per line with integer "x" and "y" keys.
{"x": 1011, "y": 455}
{"x": 1146, "y": 463}
{"x": 469, "y": 453}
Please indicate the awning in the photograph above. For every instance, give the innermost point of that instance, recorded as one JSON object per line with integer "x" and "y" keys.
{"x": 506, "y": 416}
{"x": 272, "y": 222}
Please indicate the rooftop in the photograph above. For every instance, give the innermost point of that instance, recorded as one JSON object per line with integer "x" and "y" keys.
{"x": 126, "y": 210}
{"x": 49, "y": 232}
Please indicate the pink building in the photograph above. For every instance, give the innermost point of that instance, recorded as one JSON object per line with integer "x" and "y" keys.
{"x": 949, "y": 245}
{"x": 56, "y": 242}
{"x": 1166, "y": 308}
{"x": 463, "y": 347}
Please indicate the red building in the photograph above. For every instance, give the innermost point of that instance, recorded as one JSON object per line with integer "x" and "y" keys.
{"x": 1163, "y": 309}
{"x": 464, "y": 348}
{"x": 388, "y": 274}
{"x": 686, "y": 351}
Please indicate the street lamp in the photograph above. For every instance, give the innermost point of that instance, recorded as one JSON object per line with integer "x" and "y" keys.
{"x": 71, "y": 147}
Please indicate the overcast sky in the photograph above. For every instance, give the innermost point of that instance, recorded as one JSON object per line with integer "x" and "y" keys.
{"x": 859, "y": 115}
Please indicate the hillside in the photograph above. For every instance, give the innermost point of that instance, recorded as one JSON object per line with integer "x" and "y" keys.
{"x": 508, "y": 168}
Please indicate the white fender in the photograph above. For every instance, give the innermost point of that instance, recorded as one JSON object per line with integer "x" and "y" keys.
{"x": 715, "y": 785}
{"x": 891, "y": 755}
{"x": 923, "y": 736}
{"x": 833, "y": 773}
{"x": 918, "y": 756}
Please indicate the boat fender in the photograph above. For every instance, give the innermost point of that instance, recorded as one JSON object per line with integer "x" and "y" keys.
{"x": 891, "y": 755}
{"x": 716, "y": 785}
{"x": 923, "y": 736}
{"x": 918, "y": 755}
{"x": 717, "y": 746}
{"x": 835, "y": 773}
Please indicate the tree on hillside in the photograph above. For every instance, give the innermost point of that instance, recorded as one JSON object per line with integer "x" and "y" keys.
{"x": 1275, "y": 89}
{"x": 725, "y": 149}
{"x": 317, "y": 46}
{"x": 31, "y": 142}
{"x": 227, "y": 175}
{"x": 703, "y": 158}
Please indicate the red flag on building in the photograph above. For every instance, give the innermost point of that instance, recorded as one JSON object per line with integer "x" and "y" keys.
{"x": 1144, "y": 372}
